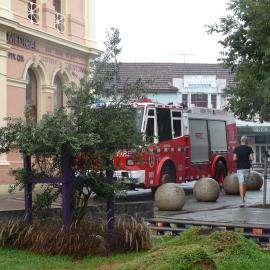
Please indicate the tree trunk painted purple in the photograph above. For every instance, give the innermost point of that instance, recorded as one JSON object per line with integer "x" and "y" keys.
{"x": 66, "y": 186}
{"x": 28, "y": 190}
{"x": 110, "y": 211}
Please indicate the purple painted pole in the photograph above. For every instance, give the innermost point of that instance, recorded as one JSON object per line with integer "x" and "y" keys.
{"x": 27, "y": 190}
{"x": 110, "y": 211}
{"x": 110, "y": 218}
{"x": 66, "y": 186}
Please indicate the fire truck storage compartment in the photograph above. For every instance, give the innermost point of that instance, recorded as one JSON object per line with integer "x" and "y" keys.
{"x": 218, "y": 135}
{"x": 199, "y": 140}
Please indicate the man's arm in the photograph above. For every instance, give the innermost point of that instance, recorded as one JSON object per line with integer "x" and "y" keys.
{"x": 251, "y": 157}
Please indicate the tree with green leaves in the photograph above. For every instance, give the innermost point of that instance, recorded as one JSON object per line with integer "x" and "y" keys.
{"x": 93, "y": 134}
{"x": 246, "y": 43}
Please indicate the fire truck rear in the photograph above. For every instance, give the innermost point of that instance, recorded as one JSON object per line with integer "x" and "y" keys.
{"x": 185, "y": 145}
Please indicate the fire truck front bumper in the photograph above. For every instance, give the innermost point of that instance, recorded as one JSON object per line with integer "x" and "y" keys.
{"x": 132, "y": 177}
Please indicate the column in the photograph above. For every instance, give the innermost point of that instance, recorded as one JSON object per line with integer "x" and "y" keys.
{"x": 219, "y": 102}
{"x": 3, "y": 89}
{"x": 90, "y": 24}
{"x": 46, "y": 104}
{"x": 189, "y": 100}
{"x": 209, "y": 104}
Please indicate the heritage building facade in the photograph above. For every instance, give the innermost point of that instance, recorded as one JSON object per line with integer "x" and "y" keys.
{"x": 44, "y": 44}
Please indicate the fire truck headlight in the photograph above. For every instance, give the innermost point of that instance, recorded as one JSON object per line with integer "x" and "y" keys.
{"x": 130, "y": 162}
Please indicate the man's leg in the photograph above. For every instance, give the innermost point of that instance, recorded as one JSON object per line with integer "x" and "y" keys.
{"x": 243, "y": 190}
{"x": 242, "y": 187}
{"x": 246, "y": 174}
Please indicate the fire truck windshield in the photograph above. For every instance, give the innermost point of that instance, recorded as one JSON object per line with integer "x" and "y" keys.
{"x": 139, "y": 117}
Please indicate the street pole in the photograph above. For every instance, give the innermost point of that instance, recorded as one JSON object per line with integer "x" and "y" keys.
{"x": 265, "y": 179}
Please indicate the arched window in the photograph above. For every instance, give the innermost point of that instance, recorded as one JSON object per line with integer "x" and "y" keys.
{"x": 31, "y": 92}
{"x": 58, "y": 93}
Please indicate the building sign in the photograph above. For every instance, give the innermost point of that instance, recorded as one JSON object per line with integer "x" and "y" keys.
{"x": 21, "y": 41}
{"x": 200, "y": 81}
{"x": 253, "y": 130}
{"x": 16, "y": 57}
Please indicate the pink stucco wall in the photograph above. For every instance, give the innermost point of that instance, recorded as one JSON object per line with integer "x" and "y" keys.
{"x": 45, "y": 60}
{"x": 15, "y": 101}
{"x": 74, "y": 22}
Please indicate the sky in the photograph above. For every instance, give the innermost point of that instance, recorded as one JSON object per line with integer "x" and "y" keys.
{"x": 162, "y": 31}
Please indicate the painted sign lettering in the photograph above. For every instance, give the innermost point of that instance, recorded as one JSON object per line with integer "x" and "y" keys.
{"x": 21, "y": 41}
{"x": 16, "y": 57}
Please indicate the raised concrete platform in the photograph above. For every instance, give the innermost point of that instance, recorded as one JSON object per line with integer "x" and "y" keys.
{"x": 224, "y": 214}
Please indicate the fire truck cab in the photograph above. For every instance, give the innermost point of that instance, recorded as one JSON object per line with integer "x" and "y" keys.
{"x": 184, "y": 145}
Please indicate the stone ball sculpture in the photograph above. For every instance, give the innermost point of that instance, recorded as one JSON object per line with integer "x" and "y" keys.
{"x": 255, "y": 181}
{"x": 170, "y": 197}
{"x": 206, "y": 190}
{"x": 231, "y": 184}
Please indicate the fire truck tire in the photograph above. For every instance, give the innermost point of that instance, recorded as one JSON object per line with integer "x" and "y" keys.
{"x": 220, "y": 172}
{"x": 167, "y": 175}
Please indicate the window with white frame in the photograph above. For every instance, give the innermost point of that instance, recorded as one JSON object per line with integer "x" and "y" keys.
{"x": 33, "y": 11}
{"x": 199, "y": 100}
{"x": 59, "y": 17}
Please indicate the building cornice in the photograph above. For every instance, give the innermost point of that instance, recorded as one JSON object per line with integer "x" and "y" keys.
{"x": 16, "y": 82}
{"x": 48, "y": 37}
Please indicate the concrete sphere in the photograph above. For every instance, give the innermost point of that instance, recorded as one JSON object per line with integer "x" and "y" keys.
{"x": 231, "y": 184}
{"x": 255, "y": 181}
{"x": 170, "y": 197}
{"x": 206, "y": 190}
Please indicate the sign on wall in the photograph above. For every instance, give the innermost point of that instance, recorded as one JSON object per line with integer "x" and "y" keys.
{"x": 21, "y": 41}
{"x": 200, "y": 81}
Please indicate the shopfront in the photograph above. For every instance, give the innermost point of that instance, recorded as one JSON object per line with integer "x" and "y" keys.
{"x": 259, "y": 139}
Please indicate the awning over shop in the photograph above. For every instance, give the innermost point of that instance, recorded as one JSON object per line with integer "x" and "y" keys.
{"x": 252, "y": 128}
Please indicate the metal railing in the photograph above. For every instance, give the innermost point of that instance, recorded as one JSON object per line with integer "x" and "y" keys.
{"x": 59, "y": 22}
{"x": 33, "y": 12}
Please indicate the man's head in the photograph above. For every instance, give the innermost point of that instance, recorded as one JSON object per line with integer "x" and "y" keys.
{"x": 244, "y": 140}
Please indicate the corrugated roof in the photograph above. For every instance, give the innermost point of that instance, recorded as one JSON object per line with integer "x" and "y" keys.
{"x": 161, "y": 74}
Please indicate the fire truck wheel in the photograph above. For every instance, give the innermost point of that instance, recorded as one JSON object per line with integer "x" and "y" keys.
{"x": 167, "y": 175}
{"x": 220, "y": 172}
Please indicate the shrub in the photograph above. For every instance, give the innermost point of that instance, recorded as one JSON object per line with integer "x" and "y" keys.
{"x": 88, "y": 238}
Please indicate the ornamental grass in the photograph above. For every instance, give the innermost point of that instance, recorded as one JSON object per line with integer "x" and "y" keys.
{"x": 89, "y": 238}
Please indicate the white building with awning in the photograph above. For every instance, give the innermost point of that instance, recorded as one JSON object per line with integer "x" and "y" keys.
{"x": 258, "y": 136}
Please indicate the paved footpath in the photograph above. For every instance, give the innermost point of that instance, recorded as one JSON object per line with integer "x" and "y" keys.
{"x": 11, "y": 201}
{"x": 225, "y": 210}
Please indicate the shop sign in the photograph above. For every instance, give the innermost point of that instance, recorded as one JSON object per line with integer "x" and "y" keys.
{"x": 21, "y": 41}
{"x": 200, "y": 81}
{"x": 253, "y": 130}
{"x": 16, "y": 57}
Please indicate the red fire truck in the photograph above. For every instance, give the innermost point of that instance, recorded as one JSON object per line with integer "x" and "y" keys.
{"x": 186, "y": 145}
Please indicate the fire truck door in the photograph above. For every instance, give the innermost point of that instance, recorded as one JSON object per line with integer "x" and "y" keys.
{"x": 151, "y": 126}
{"x": 180, "y": 153}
